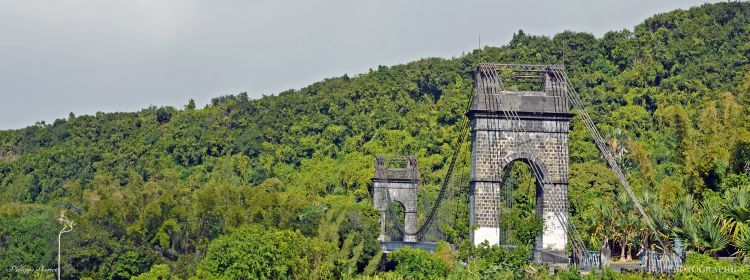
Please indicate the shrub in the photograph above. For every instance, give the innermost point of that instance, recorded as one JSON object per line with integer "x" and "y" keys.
{"x": 418, "y": 264}
{"x": 251, "y": 252}
{"x": 699, "y": 266}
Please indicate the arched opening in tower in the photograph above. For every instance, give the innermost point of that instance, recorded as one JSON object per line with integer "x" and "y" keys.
{"x": 396, "y": 213}
{"x": 519, "y": 219}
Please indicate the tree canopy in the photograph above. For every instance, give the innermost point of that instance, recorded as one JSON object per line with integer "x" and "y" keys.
{"x": 279, "y": 186}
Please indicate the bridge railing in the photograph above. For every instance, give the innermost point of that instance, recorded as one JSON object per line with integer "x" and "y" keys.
{"x": 590, "y": 259}
{"x": 658, "y": 263}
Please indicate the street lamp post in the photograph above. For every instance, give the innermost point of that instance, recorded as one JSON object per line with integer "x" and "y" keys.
{"x": 67, "y": 227}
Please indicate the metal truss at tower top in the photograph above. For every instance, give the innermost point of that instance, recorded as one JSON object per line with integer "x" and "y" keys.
{"x": 524, "y": 67}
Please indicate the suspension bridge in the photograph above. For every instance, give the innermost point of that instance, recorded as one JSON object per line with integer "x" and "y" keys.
{"x": 505, "y": 125}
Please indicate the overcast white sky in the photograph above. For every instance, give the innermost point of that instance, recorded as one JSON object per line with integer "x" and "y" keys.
{"x": 79, "y": 56}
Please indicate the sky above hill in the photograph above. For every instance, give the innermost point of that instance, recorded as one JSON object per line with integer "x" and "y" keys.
{"x": 79, "y": 56}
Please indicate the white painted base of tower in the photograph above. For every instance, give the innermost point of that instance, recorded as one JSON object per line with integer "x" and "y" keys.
{"x": 553, "y": 236}
{"x": 489, "y": 234}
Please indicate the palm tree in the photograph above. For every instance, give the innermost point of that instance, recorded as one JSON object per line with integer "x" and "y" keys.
{"x": 658, "y": 216}
{"x": 737, "y": 218}
{"x": 737, "y": 209}
{"x": 742, "y": 243}
{"x": 710, "y": 230}
{"x": 607, "y": 224}
{"x": 627, "y": 223}
{"x": 681, "y": 218}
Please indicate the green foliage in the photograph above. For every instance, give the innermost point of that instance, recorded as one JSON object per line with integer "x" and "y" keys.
{"x": 523, "y": 228}
{"x": 157, "y": 272}
{"x": 127, "y": 265}
{"x": 28, "y": 238}
{"x": 417, "y": 264}
{"x": 159, "y": 185}
{"x": 353, "y": 228}
{"x": 709, "y": 233}
{"x": 699, "y": 266}
{"x": 492, "y": 262}
{"x": 252, "y": 252}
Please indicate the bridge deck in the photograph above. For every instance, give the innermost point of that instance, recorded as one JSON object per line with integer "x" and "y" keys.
{"x": 390, "y": 246}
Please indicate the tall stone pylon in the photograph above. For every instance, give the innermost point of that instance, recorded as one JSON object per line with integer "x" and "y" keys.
{"x": 527, "y": 126}
{"x": 397, "y": 184}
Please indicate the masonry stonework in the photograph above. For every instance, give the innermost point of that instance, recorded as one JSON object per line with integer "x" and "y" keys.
{"x": 532, "y": 127}
{"x": 396, "y": 184}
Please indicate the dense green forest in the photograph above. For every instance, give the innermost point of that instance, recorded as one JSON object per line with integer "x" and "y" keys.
{"x": 279, "y": 187}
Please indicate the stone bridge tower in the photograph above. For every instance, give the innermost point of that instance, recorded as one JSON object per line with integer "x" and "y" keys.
{"x": 396, "y": 183}
{"x": 528, "y": 126}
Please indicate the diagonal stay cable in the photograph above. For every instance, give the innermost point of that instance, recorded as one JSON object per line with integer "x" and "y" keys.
{"x": 576, "y": 234}
{"x": 573, "y": 96}
{"x": 491, "y": 87}
{"x": 491, "y": 73}
{"x": 608, "y": 155}
{"x": 515, "y": 124}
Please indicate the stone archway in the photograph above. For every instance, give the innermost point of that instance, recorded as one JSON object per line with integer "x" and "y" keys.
{"x": 531, "y": 126}
{"x": 397, "y": 184}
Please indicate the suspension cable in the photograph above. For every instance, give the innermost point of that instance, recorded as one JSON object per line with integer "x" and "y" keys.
{"x": 515, "y": 124}
{"x": 463, "y": 128}
{"x": 573, "y": 95}
{"x": 576, "y": 235}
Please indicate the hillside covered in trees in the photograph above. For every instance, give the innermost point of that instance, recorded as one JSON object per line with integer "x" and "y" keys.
{"x": 280, "y": 186}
